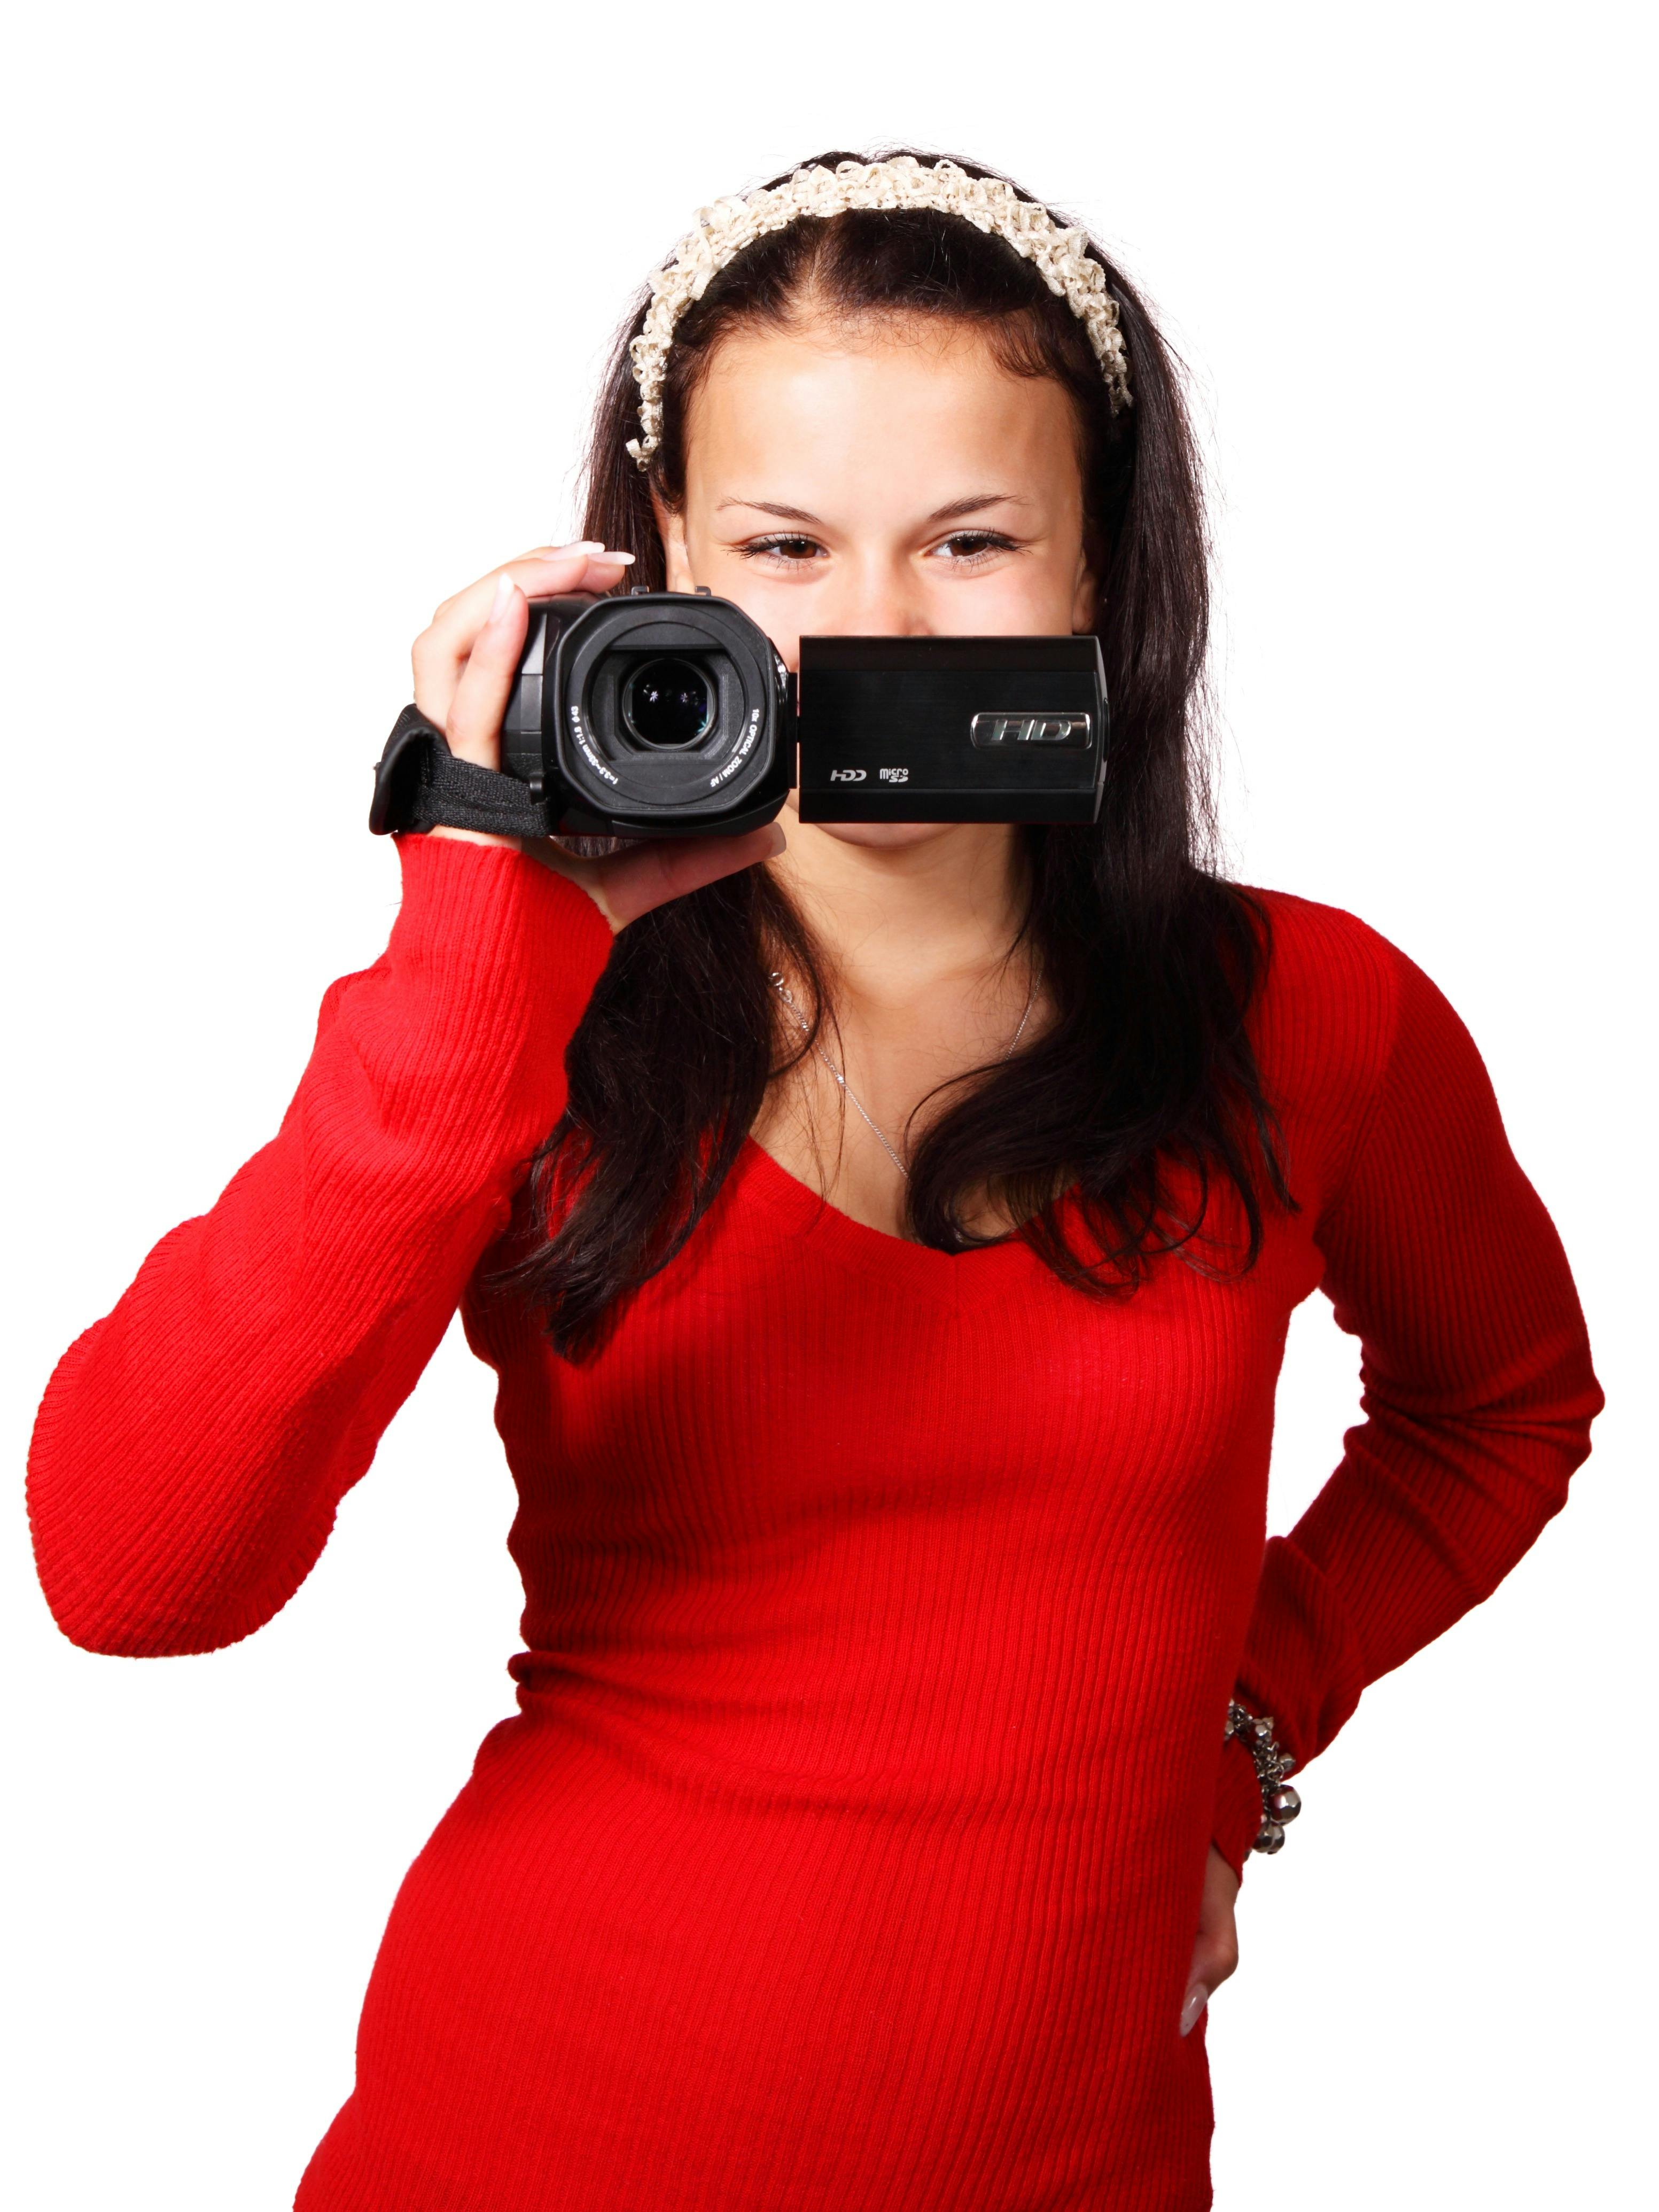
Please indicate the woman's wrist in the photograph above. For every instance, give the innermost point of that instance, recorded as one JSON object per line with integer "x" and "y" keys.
{"x": 474, "y": 837}
{"x": 1235, "y": 1819}
{"x": 492, "y": 941}
{"x": 1272, "y": 1763}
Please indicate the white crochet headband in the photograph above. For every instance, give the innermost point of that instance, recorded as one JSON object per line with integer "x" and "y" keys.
{"x": 1061, "y": 257}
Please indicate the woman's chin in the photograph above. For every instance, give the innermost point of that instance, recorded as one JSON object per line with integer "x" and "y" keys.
{"x": 885, "y": 835}
{"x": 875, "y": 837}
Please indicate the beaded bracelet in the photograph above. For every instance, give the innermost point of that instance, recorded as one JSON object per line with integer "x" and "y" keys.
{"x": 1280, "y": 1802}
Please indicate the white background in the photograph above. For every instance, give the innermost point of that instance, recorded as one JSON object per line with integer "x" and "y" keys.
{"x": 307, "y": 306}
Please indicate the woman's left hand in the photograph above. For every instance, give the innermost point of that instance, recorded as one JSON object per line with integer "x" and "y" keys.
{"x": 1215, "y": 1954}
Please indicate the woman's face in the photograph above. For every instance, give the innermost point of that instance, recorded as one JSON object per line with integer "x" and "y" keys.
{"x": 888, "y": 481}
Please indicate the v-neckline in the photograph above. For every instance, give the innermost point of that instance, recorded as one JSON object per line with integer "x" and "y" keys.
{"x": 876, "y": 1251}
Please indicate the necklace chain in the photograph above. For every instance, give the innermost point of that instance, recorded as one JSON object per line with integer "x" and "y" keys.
{"x": 848, "y": 1091}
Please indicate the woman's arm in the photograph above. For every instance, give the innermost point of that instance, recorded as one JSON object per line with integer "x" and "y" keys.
{"x": 1477, "y": 1396}
{"x": 192, "y": 1447}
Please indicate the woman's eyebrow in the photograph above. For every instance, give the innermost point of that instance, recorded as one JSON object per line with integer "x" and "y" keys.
{"x": 766, "y": 507}
{"x": 952, "y": 513}
{"x": 973, "y": 503}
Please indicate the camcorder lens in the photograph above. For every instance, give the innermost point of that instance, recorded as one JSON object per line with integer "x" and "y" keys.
{"x": 668, "y": 702}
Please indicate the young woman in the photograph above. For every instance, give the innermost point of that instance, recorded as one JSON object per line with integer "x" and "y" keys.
{"x": 884, "y": 1239}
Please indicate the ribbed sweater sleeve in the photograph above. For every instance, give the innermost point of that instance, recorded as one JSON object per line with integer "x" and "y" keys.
{"x": 192, "y": 1446}
{"x": 1477, "y": 1393}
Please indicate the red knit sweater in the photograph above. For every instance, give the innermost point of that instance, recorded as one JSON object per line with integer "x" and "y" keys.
{"x": 882, "y": 1605}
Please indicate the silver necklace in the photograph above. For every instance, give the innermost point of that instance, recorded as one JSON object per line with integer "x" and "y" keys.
{"x": 848, "y": 1091}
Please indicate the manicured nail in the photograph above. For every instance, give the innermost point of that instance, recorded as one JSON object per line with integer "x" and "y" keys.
{"x": 779, "y": 843}
{"x": 1197, "y": 1998}
{"x": 503, "y": 600}
{"x": 605, "y": 554}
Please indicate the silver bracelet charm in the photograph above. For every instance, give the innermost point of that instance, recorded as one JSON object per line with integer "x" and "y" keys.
{"x": 1280, "y": 1802}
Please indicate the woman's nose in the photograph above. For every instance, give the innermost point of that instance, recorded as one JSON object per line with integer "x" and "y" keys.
{"x": 879, "y": 597}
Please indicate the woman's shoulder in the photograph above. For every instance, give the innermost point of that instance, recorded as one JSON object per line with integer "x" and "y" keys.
{"x": 1326, "y": 963}
{"x": 1327, "y": 1015}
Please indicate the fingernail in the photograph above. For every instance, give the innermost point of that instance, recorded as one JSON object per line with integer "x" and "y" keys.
{"x": 503, "y": 600}
{"x": 606, "y": 554}
{"x": 779, "y": 843}
{"x": 1197, "y": 1998}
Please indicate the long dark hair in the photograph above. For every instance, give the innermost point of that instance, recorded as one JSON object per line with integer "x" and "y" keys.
{"x": 1150, "y": 958}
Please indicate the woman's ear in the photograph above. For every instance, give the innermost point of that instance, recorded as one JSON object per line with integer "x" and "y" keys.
{"x": 1085, "y": 599}
{"x": 670, "y": 528}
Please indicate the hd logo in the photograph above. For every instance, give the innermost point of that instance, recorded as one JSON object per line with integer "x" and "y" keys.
{"x": 1030, "y": 730}
{"x": 847, "y": 775}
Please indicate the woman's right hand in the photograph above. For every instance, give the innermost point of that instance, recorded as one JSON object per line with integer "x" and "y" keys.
{"x": 465, "y": 663}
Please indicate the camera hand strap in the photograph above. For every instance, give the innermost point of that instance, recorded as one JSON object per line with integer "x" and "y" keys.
{"x": 419, "y": 784}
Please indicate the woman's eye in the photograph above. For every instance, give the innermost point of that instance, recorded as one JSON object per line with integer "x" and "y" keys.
{"x": 963, "y": 549}
{"x": 795, "y": 551}
{"x": 966, "y": 546}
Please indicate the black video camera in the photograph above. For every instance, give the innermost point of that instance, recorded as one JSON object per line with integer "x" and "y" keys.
{"x": 670, "y": 713}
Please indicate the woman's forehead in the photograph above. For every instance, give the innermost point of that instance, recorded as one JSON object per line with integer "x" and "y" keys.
{"x": 921, "y": 397}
